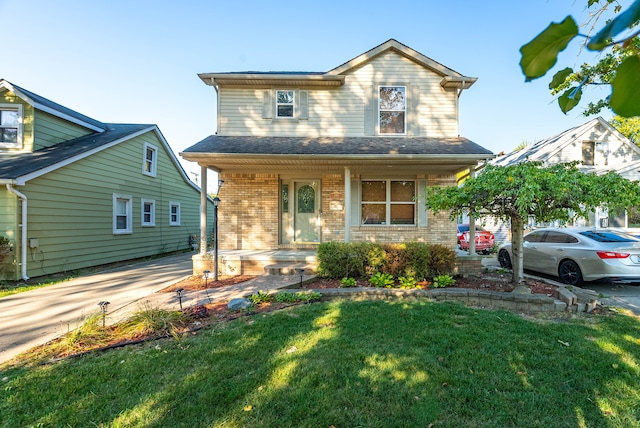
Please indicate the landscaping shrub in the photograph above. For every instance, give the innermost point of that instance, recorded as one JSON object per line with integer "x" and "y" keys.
{"x": 442, "y": 260}
{"x": 364, "y": 259}
{"x": 382, "y": 280}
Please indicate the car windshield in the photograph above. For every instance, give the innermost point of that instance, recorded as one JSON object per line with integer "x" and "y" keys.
{"x": 609, "y": 236}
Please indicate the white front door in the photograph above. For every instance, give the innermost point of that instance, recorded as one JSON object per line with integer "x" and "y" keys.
{"x": 306, "y": 217}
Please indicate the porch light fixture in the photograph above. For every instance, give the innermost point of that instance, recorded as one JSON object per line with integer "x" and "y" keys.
{"x": 216, "y": 203}
{"x": 103, "y": 307}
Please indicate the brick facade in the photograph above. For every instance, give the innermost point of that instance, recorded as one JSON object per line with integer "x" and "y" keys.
{"x": 249, "y": 216}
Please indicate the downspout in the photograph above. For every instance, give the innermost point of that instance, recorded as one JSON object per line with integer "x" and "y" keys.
{"x": 23, "y": 248}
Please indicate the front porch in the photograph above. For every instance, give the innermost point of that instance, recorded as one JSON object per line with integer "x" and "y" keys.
{"x": 288, "y": 261}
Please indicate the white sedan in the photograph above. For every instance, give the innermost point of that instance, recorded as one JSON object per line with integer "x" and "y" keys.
{"x": 579, "y": 254}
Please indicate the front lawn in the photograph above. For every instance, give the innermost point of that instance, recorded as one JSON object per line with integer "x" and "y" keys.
{"x": 350, "y": 364}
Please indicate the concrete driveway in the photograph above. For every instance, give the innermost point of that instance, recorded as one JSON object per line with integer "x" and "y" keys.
{"x": 620, "y": 295}
{"x": 35, "y": 317}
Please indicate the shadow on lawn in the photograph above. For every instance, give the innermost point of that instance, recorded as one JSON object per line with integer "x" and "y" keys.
{"x": 344, "y": 363}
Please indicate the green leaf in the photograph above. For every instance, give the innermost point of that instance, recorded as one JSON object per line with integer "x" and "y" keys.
{"x": 560, "y": 77}
{"x": 616, "y": 26}
{"x": 625, "y": 88}
{"x": 541, "y": 53}
{"x": 569, "y": 99}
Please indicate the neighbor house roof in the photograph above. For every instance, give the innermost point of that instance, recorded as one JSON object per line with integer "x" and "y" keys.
{"x": 545, "y": 150}
{"x": 46, "y": 105}
{"x": 24, "y": 166}
{"x": 336, "y": 76}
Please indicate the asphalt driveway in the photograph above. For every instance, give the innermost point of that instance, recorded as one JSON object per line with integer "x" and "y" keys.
{"x": 32, "y": 318}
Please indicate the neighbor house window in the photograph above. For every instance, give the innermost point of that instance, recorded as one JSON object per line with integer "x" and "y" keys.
{"x": 284, "y": 103}
{"x": 148, "y": 212}
{"x": 388, "y": 202}
{"x": 392, "y": 107}
{"x": 150, "y": 162}
{"x": 174, "y": 213}
{"x": 122, "y": 214}
{"x": 588, "y": 152}
{"x": 10, "y": 126}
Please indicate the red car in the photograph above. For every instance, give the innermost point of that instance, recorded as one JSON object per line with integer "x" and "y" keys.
{"x": 484, "y": 239}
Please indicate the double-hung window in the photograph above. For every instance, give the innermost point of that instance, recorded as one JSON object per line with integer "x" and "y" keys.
{"x": 150, "y": 161}
{"x": 174, "y": 213}
{"x": 148, "y": 212}
{"x": 10, "y": 126}
{"x": 284, "y": 104}
{"x": 392, "y": 108}
{"x": 388, "y": 202}
{"x": 122, "y": 211}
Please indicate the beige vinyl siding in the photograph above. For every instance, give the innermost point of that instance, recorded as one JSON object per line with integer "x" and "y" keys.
{"x": 50, "y": 130}
{"x": 609, "y": 149}
{"x": 71, "y": 210}
{"x": 341, "y": 111}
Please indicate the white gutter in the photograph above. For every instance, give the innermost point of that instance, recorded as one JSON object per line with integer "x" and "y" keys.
{"x": 23, "y": 247}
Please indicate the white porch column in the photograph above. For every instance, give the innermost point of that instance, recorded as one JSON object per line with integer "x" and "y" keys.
{"x": 472, "y": 221}
{"x": 203, "y": 210}
{"x": 347, "y": 204}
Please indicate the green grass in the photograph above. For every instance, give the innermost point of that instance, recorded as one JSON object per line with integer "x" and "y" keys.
{"x": 7, "y": 289}
{"x": 349, "y": 364}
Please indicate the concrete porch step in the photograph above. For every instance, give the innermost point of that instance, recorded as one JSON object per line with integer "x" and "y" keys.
{"x": 290, "y": 269}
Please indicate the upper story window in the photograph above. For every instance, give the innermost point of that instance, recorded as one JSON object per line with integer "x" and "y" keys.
{"x": 389, "y": 202}
{"x": 284, "y": 103}
{"x": 150, "y": 162}
{"x": 392, "y": 108}
{"x": 588, "y": 152}
{"x": 10, "y": 126}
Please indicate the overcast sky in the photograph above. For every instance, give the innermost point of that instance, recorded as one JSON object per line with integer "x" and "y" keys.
{"x": 136, "y": 61}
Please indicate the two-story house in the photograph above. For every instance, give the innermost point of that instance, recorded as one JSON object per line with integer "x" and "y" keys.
{"x": 343, "y": 155}
{"x": 76, "y": 192}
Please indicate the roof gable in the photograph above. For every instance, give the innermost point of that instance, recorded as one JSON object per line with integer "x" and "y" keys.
{"x": 55, "y": 109}
{"x": 336, "y": 76}
{"x": 545, "y": 150}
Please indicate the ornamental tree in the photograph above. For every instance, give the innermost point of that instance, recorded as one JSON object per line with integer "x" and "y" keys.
{"x": 559, "y": 192}
{"x": 618, "y": 42}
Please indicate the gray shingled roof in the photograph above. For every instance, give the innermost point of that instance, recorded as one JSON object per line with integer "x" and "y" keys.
{"x": 364, "y": 146}
{"x": 42, "y": 101}
{"x": 13, "y": 166}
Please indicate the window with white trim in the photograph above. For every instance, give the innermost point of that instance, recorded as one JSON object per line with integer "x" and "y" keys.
{"x": 10, "y": 126}
{"x": 122, "y": 212}
{"x": 285, "y": 104}
{"x": 148, "y": 212}
{"x": 388, "y": 202}
{"x": 150, "y": 161}
{"x": 392, "y": 110}
{"x": 174, "y": 213}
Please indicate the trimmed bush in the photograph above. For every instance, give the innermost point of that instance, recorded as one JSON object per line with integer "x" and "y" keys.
{"x": 364, "y": 259}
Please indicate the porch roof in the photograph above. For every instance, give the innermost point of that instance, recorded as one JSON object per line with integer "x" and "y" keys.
{"x": 326, "y": 153}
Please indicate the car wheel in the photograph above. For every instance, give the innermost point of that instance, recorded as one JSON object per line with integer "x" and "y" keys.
{"x": 504, "y": 259}
{"x": 569, "y": 273}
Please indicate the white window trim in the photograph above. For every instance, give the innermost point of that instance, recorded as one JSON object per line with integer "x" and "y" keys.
{"x": 171, "y": 205}
{"x": 129, "y": 214}
{"x": 405, "y": 110}
{"x": 293, "y": 105}
{"x": 152, "y": 221}
{"x": 19, "y": 109}
{"x": 154, "y": 162}
{"x": 388, "y": 203}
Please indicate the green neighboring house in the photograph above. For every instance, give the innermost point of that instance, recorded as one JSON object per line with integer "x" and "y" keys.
{"x": 76, "y": 192}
